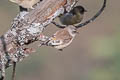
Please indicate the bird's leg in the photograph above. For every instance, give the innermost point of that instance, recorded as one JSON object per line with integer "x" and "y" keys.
{"x": 32, "y": 7}
{"x": 58, "y": 25}
{"x": 14, "y": 71}
{"x": 39, "y": 2}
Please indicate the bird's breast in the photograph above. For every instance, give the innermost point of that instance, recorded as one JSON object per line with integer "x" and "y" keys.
{"x": 70, "y": 19}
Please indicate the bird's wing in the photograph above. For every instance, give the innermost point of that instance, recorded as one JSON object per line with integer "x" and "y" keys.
{"x": 63, "y": 36}
{"x": 66, "y": 17}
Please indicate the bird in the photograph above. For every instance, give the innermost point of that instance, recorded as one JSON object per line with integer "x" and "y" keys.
{"x": 73, "y": 17}
{"x": 62, "y": 38}
{"x": 26, "y": 3}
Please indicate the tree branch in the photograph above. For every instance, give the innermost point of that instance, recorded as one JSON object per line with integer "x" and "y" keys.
{"x": 27, "y": 28}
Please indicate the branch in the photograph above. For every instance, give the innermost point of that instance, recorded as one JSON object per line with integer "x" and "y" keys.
{"x": 27, "y": 28}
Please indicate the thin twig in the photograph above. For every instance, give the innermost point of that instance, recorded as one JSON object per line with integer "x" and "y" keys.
{"x": 14, "y": 71}
{"x": 86, "y": 22}
{"x": 94, "y": 17}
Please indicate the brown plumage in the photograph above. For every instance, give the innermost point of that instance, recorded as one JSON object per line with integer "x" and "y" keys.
{"x": 62, "y": 38}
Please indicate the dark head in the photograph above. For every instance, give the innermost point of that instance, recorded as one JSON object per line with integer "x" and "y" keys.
{"x": 79, "y": 9}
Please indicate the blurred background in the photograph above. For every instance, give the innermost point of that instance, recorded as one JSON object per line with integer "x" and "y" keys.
{"x": 93, "y": 55}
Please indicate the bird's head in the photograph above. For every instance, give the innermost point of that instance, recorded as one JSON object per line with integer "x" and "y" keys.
{"x": 79, "y": 9}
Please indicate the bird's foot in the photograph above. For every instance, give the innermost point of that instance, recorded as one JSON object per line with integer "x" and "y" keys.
{"x": 58, "y": 25}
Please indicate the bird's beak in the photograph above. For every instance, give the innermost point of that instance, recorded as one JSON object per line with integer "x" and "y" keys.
{"x": 77, "y": 32}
